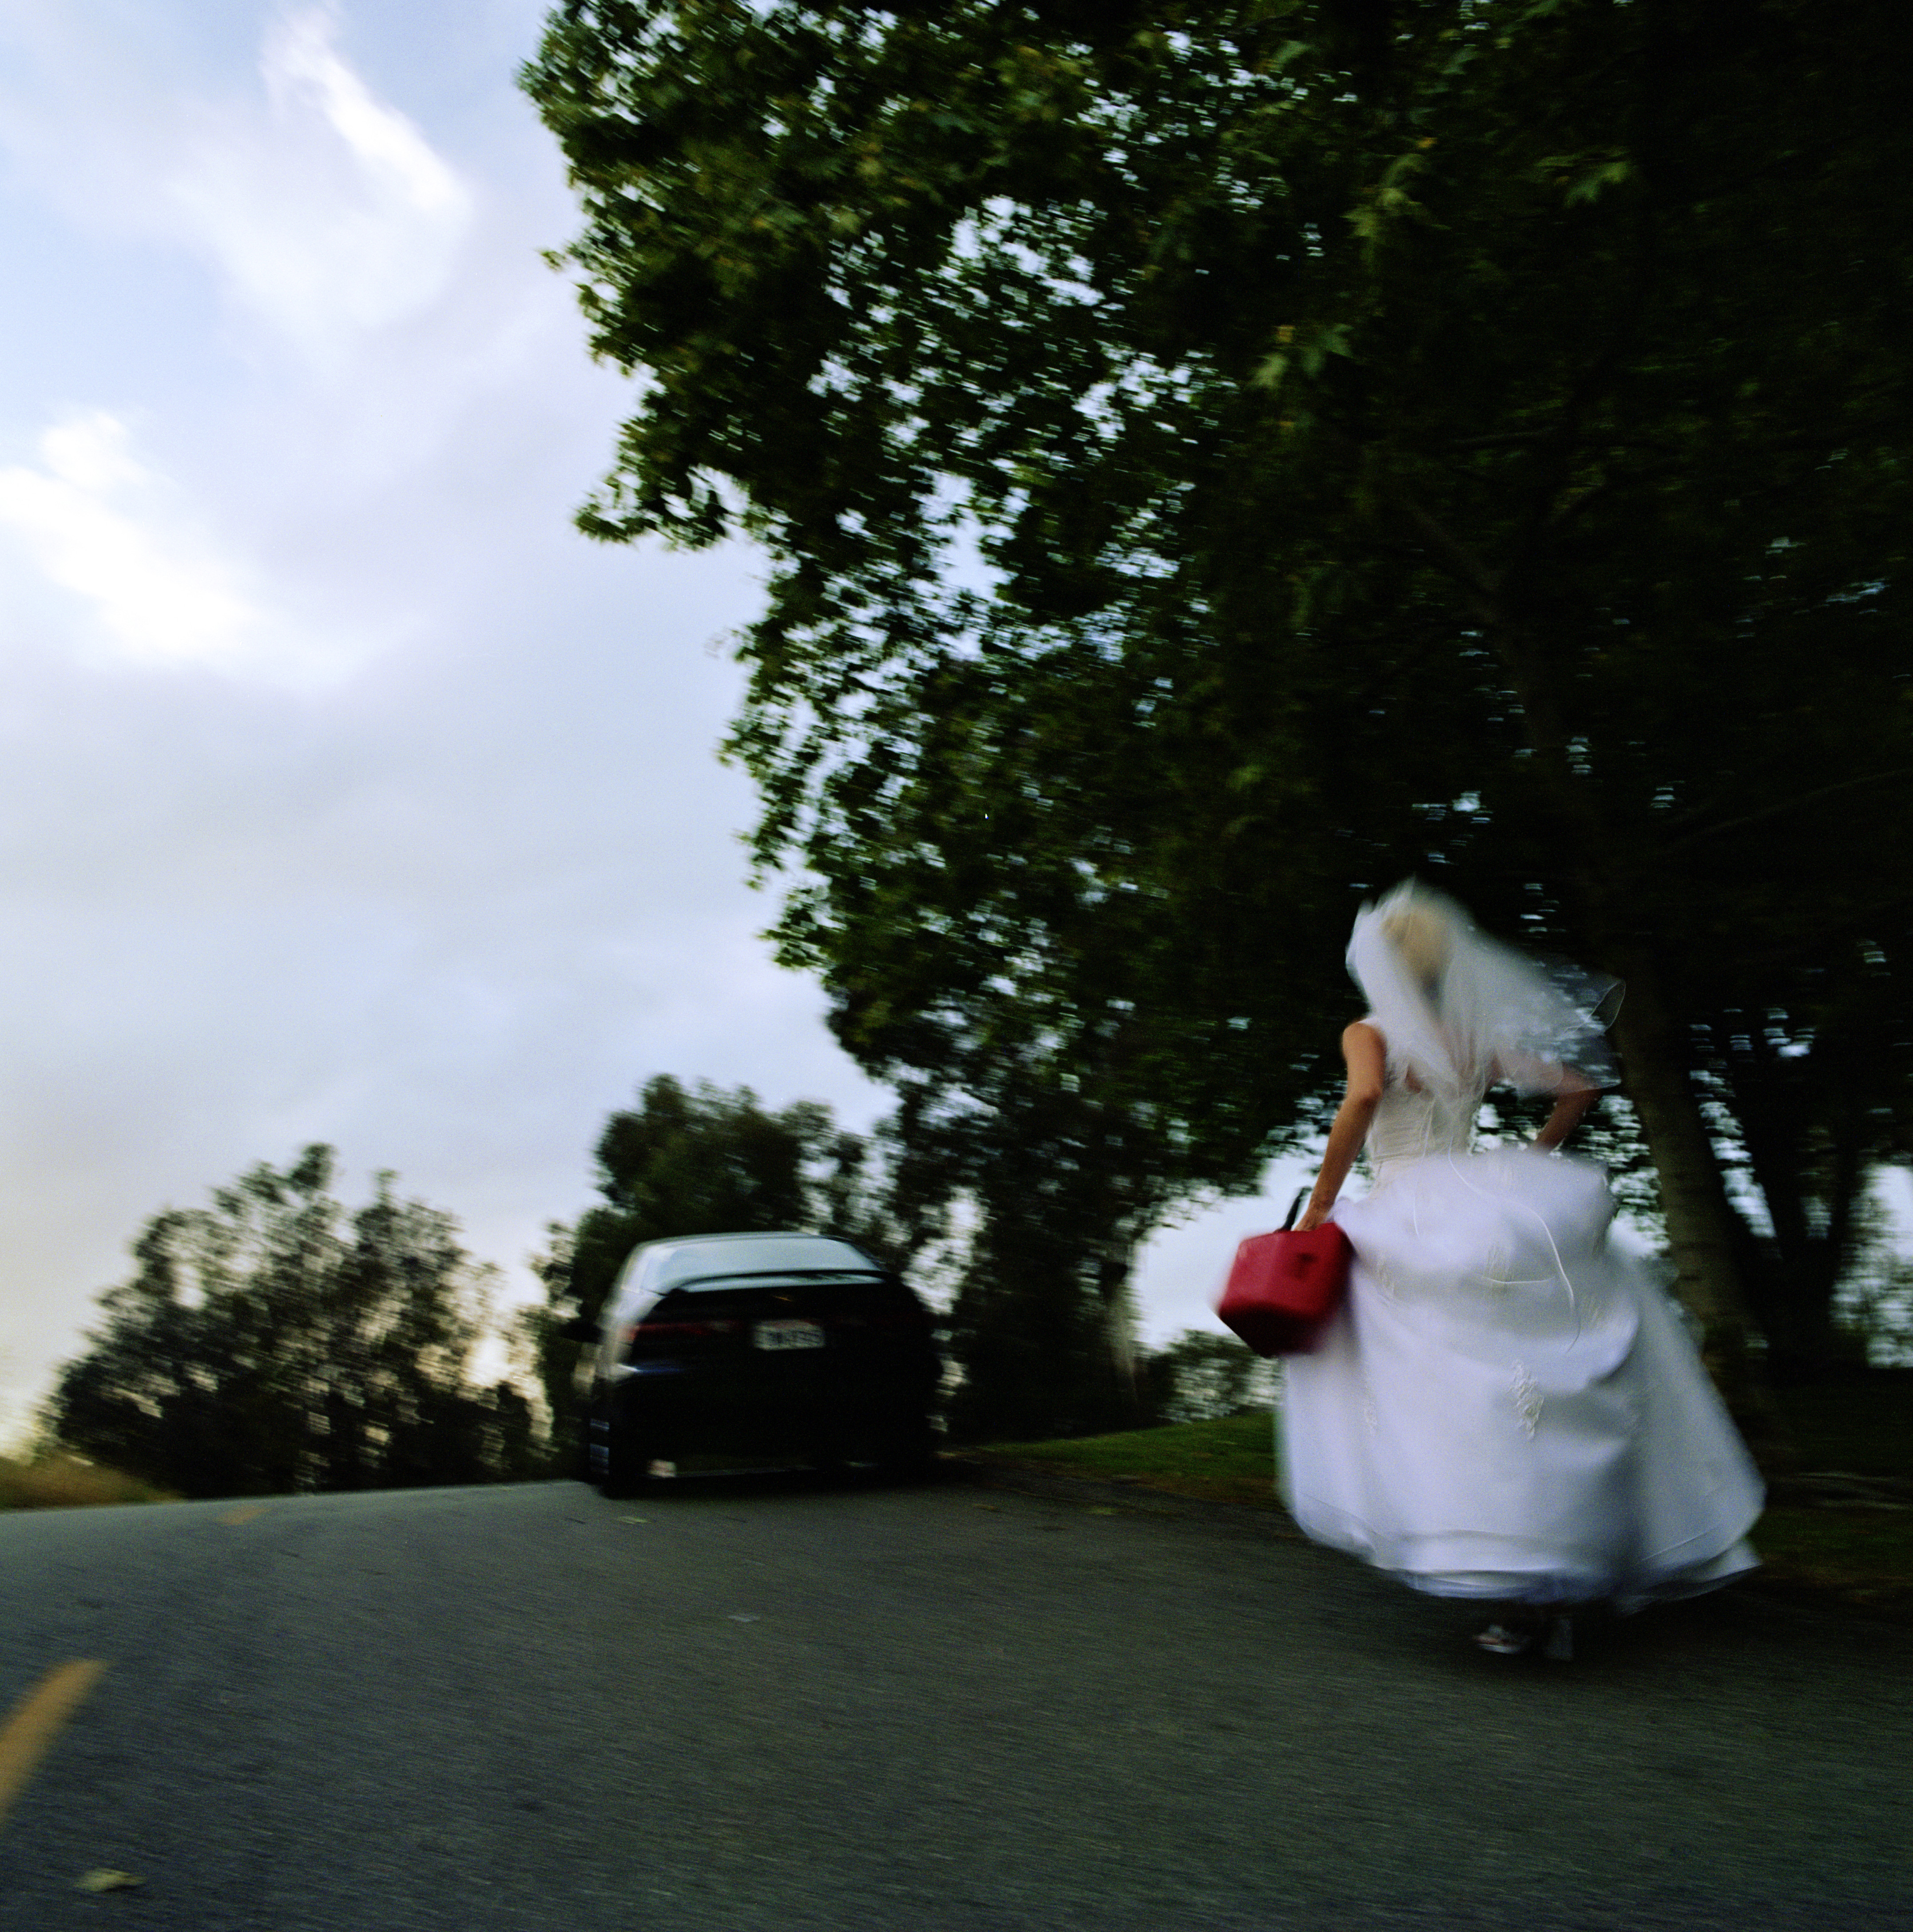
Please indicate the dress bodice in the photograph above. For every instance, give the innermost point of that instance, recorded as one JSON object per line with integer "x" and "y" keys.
{"x": 1410, "y": 1124}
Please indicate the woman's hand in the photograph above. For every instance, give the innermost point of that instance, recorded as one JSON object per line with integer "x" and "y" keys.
{"x": 1311, "y": 1216}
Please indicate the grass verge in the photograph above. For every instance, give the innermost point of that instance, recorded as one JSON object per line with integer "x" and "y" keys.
{"x": 1231, "y": 1461}
{"x": 56, "y": 1480}
{"x": 1863, "y": 1557}
{"x": 1855, "y": 1554}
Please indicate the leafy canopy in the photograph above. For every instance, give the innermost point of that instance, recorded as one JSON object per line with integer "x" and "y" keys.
{"x": 1215, "y": 457}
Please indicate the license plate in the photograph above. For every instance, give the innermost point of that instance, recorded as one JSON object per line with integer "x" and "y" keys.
{"x": 788, "y": 1335}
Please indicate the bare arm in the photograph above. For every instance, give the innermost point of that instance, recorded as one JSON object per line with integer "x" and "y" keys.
{"x": 1571, "y": 1108}
{"x": 1575, "y": 1094}
{"x": 1365, "y": 1055}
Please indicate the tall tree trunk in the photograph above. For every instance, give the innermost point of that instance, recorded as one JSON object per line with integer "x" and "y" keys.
{"x": 1703, "y": 1232}
{"x": 1115, "y": 1282}
{"x": 1796, "y": 1149}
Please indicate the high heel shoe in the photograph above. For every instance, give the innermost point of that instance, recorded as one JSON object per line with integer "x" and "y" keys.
{"x": 1502, "y": 1640}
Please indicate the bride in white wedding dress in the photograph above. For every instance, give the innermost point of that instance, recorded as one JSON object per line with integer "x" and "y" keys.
{"x": 1506, "y": 1408}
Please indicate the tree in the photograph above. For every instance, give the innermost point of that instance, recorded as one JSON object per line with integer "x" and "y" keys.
{"x": 707, "y": 1161}
{"x": 1215, "y": 457}
{"x": 272, "y": 1342}
{"x": 1201, "y": 1376}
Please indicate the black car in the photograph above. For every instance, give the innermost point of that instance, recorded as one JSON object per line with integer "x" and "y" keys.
{"x": 755, "y": 1347}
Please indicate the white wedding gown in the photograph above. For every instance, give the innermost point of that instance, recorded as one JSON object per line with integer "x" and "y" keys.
{"x": 1507, "y": 1405}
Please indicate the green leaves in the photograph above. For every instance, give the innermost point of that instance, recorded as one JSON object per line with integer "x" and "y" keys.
{"x": 272, "y": 1342}
{"x": 1581, "y": 178}
{"x": 1184, "y": 444}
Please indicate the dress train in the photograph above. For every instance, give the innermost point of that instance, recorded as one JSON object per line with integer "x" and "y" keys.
{"x": 1507, "y": 1406}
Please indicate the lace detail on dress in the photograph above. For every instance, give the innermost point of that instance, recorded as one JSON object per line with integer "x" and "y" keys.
{"x": 1528, "y": 1399}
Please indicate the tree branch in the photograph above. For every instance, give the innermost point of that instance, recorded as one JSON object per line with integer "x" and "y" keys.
{"x": 1785, "y": 806}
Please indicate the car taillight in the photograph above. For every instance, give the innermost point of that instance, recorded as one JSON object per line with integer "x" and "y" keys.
{"x": 676, "y": 1331}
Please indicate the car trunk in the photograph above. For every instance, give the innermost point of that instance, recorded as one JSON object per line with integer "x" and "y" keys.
{"x": 832, "y": 1366}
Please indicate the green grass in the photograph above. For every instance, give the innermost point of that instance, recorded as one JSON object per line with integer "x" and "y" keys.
{"x": 57, "y": 1480}
{"x": 1862, "y": 1556}
{"x": 1232, "y": 1461}
{"x": 1863, "y": 1427}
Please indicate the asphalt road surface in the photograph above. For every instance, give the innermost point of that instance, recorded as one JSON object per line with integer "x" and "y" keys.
{"x": 786, "y": 1706}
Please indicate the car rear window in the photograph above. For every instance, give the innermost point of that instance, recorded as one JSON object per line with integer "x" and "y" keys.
{"x": 764, "y": 1254}
{"x": 822, "y": 1297}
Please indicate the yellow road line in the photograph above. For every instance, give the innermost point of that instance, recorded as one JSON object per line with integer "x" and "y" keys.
{"x": 245, "y": 1512}
{"x": 37, "y": 1721}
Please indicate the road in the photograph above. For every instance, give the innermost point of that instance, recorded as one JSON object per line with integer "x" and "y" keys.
{"x": 783, "y": 1707}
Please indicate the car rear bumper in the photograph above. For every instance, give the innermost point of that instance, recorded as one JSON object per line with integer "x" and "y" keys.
{"x": 797, "y": 1405}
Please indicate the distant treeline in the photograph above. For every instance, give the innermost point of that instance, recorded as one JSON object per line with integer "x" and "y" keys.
{"x": 276, "y": 1340}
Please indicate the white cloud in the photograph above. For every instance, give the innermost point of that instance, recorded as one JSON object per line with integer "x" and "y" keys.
{"x": 326, "y": 210}
{"x": 445, "y": 912}
{"x": 159, "y": 594}
{"x": 332, "y": 215}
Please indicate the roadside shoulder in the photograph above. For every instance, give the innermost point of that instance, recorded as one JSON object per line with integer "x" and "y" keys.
{"x": 1131, "y": 1496}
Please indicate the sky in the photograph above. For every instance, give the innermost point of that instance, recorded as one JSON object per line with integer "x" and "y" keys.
{"x": 347, "y": 793}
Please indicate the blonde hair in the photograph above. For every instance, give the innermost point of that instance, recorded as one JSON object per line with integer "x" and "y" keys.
{"x": 1459, "y": 1010}
{"x": 1420, "y": 936}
